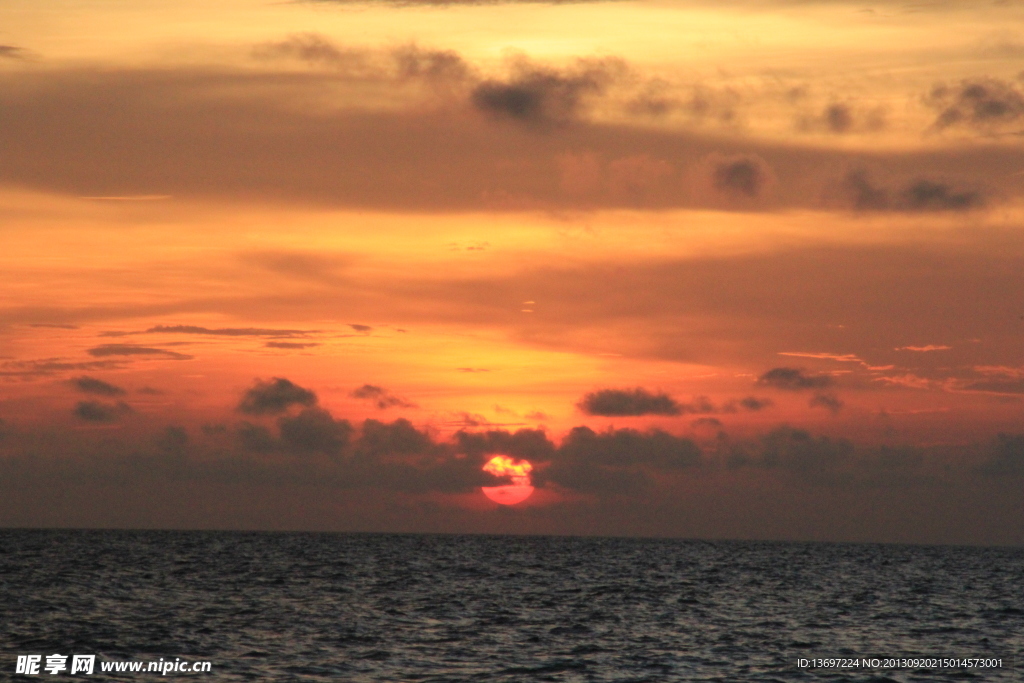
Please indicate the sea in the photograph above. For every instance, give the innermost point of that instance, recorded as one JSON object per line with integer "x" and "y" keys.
{"x": 448, "y": 608}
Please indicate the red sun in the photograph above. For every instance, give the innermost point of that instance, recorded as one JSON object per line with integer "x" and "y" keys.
{"x": 520, "y": 488}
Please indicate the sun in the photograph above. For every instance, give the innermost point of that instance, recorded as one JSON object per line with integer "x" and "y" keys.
{"x": 519, "y": 490}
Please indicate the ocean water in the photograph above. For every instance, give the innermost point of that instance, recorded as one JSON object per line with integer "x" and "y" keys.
{"x": 376, "y": 607}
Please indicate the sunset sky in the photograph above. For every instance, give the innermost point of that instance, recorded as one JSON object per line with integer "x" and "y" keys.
{"x": 744, "y": 269}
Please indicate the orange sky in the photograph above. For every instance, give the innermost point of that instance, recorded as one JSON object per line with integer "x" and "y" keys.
{"x": 767, "y": 252}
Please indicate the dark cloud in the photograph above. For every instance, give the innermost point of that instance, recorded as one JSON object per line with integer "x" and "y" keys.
{"x": 984, "y": 104}
{"x": 458, "y": 3}
{"x": 927, "y": 195}
{"x": 361, "y": 328}
{"x": 627, "y": 402}
{"x": 838, "y": 118}
{"x": 755, "y": 403}
{"x": 797, "y": 451}
{"x": 617, "y": 461}
{"x": 828, "y": 401}
{"x": 742, "y": 175}
{"x": 275, "y": 396}
{"x": 50, "y": 366}
{"x": 91, "y": 385}
{"x": 401, "y": 63}
{"x": 378, "y": 159}
{"x": 918, "y": 195}
{"x": 257, "y": 438}
{"x": 95, "y": 411}
{"x": 699, "y": 404}
{"x": 57, "y": 326}
{"x": 793, "y": 379}
{"x": 133, "y": 350}
{"x": 539, "y": 95}
{"x": 381, "y": 397}
{"x": 173, "y": 442}
{"x": 752, "y": 403}
{"x": 381, "y": 439}
{"x": 528, "y": 444}
{"x": 864, "y": 194}
{"x": 996, "y": 385}
{"x": 1006, "y": 457}
{"x": 290, "y": 345}
{"x": 227, "y": 331}
{"x": 314, "y": 48}
{"x": 413, "y": 62}
{"x": 467, "y": 419}
{"x": 627, "y": 448}
{"x": 314, "y": 430}
{"x": 839, "y": 463}
{"x": 13, "y": 52}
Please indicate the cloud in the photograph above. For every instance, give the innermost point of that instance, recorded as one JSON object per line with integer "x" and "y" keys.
{"x": 742, "y": 175}
{"x": 839, "y": 463}
{"x": 275, "y": 396}
{"x": 541, "y": 95}
{"x": 840, "y": 118}
{"x": 91, "y": 385}
{"x": 381, "y": 439}
{"x": 1006, "y": 457}
{"x": 923, "y": 349}
{"x": 257, "y": 438}
{"x": 290, "y": 345}
{"x": 628, "y": 402}
{"x": 467, "y": 419}
{"x": 796, "y": 451}
{"x": 13, "y": 52}
{"x": 227, "y": 331}
{"x": 361, "y": 328}
{"x": 49, "y": 366}
{"x": 919, "y": 195}
{"x": 528, "y": 444}
{"x": 985, "y": 104}
{"x": 617, "y": 461}
{"x": 134, "y": 350}
{"x": 314, "y": 430}
{"x": 313, "y": 48}
{"x": 793, "y": 379}
{"x": 828, "y": 401}
{"x": 864, "y": 194}
{"x": 407, "y": 62}
{"x": 841, "y": 357}
{"x": 996, "y": 386}
{"x": 754, "y": 403}
{"x": 927, "y": 195}
{"x": 349, "y": 158}
{"x": 380, "y": 397}
{"x": 628, "y": 447}
{"x": 173, "y": 442}
{"x": 459, "y": 3}
{"x": 95, "y": 411}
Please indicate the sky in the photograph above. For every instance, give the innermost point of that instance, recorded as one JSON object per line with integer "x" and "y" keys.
{"x": 747, "y": 269}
